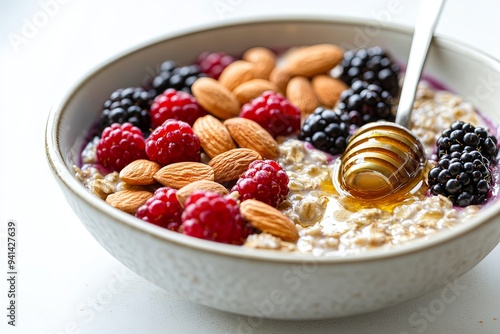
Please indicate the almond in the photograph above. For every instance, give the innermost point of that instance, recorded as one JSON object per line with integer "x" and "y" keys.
{"x": 179, "y": 174}
{"x": 140, "y": 172}
{"x": 249, "y": 90}
{"x": 313, "y": 60}
{"x": 186, "y": 191}
{"x": 280, "y": 76}
{"x": 213, "y": 135}
{"x": 328, "y": 89}
{"x": 237, "y": 73}
{"x": 249, "y": 134}
{"x": 215, "y": 98}
{"x": 264, "y": 60}
{"x": 228, "y": 166}
{"x": 268, "y": 219}
{"x": 128, "y": 200}
{"x": 301, "y": 94}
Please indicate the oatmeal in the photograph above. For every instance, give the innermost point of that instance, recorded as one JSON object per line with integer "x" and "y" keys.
{"x": 245, "y": 155}
{"x": 433, "y": 112}
{"x": 326, "y": 227}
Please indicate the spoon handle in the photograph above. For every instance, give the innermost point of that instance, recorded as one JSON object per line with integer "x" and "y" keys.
{"x": 427, "y": 18}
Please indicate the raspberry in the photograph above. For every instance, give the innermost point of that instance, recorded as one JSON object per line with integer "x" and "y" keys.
{"x": 177, "y": 105}
{"x": 373, "y": 65}
{"x": 364, "y": 103}
{"x": 163, "y": 209}
{"x": 211, "y": 216}
{"x": 213, "y": 63}
{"x": 326, "y": 130}
{"x": 264, "y": 180}
{"x": 274, "y": 113}
{"x": 127, "y": 105}
{"x": 120, "y": 144}
{"x": 173, "y": 141}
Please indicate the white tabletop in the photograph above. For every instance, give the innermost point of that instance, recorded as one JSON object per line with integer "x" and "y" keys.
{"x": 67, "y": 282}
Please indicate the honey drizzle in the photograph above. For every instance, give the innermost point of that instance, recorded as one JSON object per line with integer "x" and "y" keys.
{"x": 418, "y": 192}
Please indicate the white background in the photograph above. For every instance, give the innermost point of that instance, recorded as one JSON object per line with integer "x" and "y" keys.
{"x": 67, "y": 283}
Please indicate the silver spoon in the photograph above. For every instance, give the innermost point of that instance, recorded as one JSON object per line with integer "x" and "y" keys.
{"x": 384, "y": 160}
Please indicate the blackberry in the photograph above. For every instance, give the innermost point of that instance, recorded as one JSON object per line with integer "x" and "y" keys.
{"x": 363, "y": 103}
{"x": 181, "y": 78}
{"x": 325, "y": 130}
{"x": 463, "y": 137}
{"x": 127, "y": 105}
{"x": 373, "y": 65}
{"x": 466, "y": 180}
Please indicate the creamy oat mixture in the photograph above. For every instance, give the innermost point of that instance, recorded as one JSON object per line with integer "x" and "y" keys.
{"x": 325, "y": 226}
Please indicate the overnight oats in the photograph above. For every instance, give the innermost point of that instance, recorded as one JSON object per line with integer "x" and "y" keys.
{"x": 247, "y": 151}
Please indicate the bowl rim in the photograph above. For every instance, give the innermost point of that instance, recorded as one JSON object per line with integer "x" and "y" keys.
{"x": 68, "y": 180}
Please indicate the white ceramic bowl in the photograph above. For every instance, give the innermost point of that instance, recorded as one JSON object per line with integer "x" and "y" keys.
{"x": 266, "y": 283}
